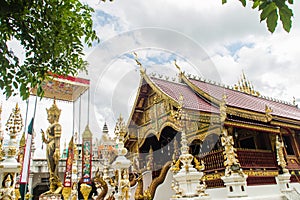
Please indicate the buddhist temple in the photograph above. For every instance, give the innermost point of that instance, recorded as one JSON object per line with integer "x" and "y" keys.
{"x": 187, "y": 138}
{"x": 214, "y": 112}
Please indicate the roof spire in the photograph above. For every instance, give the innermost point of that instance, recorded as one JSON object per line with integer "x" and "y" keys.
{"x": 245, "y": 86}
{"x": 177, "y": 66}
{"x": 142, "y": 69}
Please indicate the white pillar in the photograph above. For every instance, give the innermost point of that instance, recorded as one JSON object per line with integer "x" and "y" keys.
{"x": 236, "y": 185}
{"x": 30, "y": 184}
{"x": 283, "y": 180}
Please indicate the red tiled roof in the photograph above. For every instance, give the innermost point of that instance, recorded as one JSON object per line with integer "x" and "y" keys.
{"x": 249, "y": 102}
{"x": 191, "y": 99}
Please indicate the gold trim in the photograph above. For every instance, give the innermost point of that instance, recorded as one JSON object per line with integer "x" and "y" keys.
{"x": 282, "y": 124}
{"x": 158, "y": 90}
{"x": 287, "y": 120}
{"x": 252, "y": 126}
{"x": 215, "y": 176}
{"x": 135, "y": 103}
{"x": 204, "y": 134}
{"x": 251, "y": 173}
{"x": 246, "y": 114}
{"x": 198, "y": 90}
{"x": 260, "y": 173}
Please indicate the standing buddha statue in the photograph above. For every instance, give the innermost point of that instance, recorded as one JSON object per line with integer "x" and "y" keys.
{"x": 52, "y": 140}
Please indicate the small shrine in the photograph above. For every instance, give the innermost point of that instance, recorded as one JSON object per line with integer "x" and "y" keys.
{"x": 9, "y": 166}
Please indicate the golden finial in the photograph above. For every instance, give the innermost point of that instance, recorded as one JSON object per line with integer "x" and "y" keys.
{"x": 120, "y": 129}
{"x": 268, "y": 114}
{"x": 22, "y": 141}
{"x": 14, "y": 124}
{"x": 54, "y": 110}
{"x": 245, "y": 86}
{"x": 87, "y": 133}
{"x": 149, "y": 163}
{"x": 151, "y": 150}
{"x": 176, "y": 166}
{"x": 142, "y": 70}
{"x": 177, "y": 66}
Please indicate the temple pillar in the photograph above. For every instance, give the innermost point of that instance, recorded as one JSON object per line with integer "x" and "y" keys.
{"x": 235, "y": 185}
{"x": 30, "y": 184}
{"x": 283, "y": 181}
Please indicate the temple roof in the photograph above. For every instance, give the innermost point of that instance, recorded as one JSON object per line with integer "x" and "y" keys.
{"x": 234, "y": 98}
{"x": 247, "y": 101}
{"x": 191, "y": 99}
{"x": 208, "y": 96}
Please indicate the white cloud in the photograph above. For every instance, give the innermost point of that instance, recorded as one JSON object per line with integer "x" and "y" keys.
{"x": 207, "y": 38}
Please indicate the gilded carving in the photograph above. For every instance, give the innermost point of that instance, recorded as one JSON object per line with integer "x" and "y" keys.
{"x": 257, "y": 173}
{"x": 230, "y": 157}
{"x": 253, "y": 126}
{"x": 245, "y": 86}
{"x": 280, "y": 154}
{"x": 223, "y": 108}
{"x": 246, "y": 114}
{"x": 7, "y": 192}
{"x": 268, "y": 111}
{"x": 85, "y": 190}
{"x": 199, "y": 165}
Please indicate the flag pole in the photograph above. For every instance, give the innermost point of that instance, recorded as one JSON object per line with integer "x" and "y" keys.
{"x": 27, "y": 155}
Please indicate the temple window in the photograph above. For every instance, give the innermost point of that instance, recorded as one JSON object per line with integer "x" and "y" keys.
{"x": 288, "y": 145}
{"x": 248, "y": 143}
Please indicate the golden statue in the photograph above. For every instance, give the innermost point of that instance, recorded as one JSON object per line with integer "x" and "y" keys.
{"x": 230, "y": 157}
{"x": 280, "y": 155}
{"x": 7, "y": 192}
{"x": 52, "y": 139}
{"x": 149, "y": 165}
{"x": 125, "y": 185}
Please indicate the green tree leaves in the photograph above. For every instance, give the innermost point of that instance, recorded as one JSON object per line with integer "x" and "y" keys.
{"x": 269, "y": 12}
{"x": 52, "y": 33}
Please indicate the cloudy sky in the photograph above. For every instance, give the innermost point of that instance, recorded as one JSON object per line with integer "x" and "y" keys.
{"x": 205, "y": 37}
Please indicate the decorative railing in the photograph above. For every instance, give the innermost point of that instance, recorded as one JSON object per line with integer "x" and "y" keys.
{"x": 213, "y": 160}
{"x": 250, "y": 159}
{"x": 257, "y": 159}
